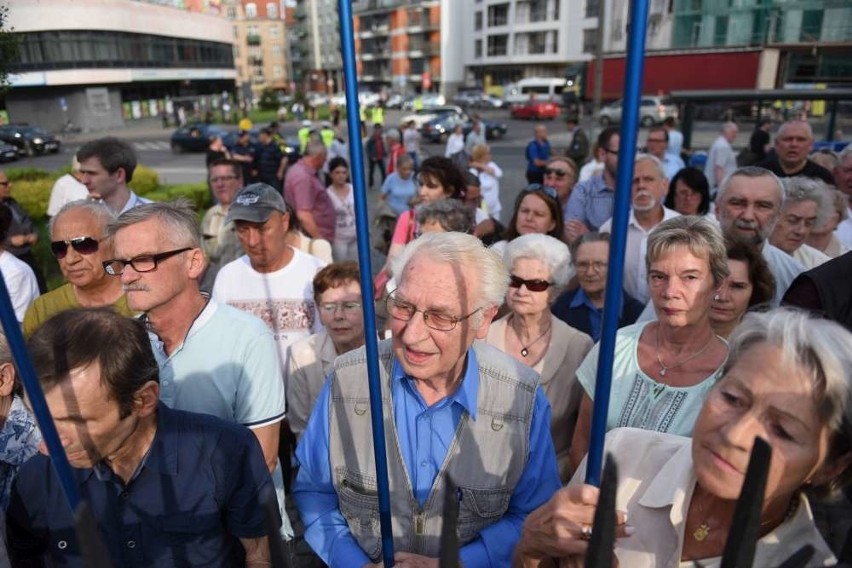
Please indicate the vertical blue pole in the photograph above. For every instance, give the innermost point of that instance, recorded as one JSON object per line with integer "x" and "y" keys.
{"x": 36, "y": 397}
{"x": 621, "y": 210}
{"x": 347, "y": 43}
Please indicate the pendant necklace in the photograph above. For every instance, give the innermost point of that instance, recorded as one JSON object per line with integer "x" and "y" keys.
{"x": 665, "y": 369}
{"x": 525, "y": 349}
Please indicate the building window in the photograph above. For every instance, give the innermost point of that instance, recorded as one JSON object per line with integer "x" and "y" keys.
{"x": 477, "y": 21}
{"x": 477, "y": 49}
{"x": 277, "y": 72}
{"x": 232, "y": 12}
{"x": 251, "y": 10}
{"x": 271, "y": 10}
{"x": 498, "y": 15}
{"x": 498, "y": 45}
{"x": 593, "y": 8}
{"x": 236, "y": 32}
{"x": 590, "y": 41}
{"x": 273, "y": 30}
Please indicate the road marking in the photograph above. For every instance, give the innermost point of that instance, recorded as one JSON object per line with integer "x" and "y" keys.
{"x": 151, "y": 146}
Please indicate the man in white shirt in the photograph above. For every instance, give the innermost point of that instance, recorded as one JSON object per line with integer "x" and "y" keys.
{"x": 647, "y": 211}
{"x": 19, "y": 277}
{"x": 66, "y": 189}
{"x": 107, "y": 166}
{"x": 721, "y": 160}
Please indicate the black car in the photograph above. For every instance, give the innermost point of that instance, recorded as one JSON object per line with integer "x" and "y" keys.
{"x": 8, "y": 153}
{"x": 29, "y": 140}
{"x": 194, "y": 137}
{"x": 439, "y": 129}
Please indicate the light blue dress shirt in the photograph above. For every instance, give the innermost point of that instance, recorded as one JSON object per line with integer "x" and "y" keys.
{"x": 591, "y": 202}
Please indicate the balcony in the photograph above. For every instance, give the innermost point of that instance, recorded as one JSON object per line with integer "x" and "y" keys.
{"x": 253, "y": 39}
{"x": 255, "y": 61}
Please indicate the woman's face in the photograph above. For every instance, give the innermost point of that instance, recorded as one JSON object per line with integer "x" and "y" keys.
{"x": 759, "y": 396}
{"x": 430, "y": 190}
{"x": 734, "y": 294}
{"x": 561, "y": 177}
{"x": 405, "y": 170}
{"x": 681, "y": 287}
{"x": 339, "y": 175}
{"x": 534, "y": 216}
{"x": 521, "y": 300}
{"x": 686, "y": 199}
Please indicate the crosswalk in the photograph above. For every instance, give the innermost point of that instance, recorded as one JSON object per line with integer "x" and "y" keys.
{"x": 154, "y": 145}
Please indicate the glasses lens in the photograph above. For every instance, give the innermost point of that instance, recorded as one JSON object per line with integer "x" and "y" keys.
{"x": 59, "y": 249}
{"x": 113, "y": 267}
{"x": 555, "y": 172}
{"x": 85, "y": 245}
{"x": 143, "y": 263}
{"x": 438, "y": 321}
{"x": 532, "y": 285}
{"x": 399, "y": 310}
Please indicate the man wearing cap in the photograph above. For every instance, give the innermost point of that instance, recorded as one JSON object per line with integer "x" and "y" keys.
{"x": 306, "y": 194}
{"x": 272, "y": 280}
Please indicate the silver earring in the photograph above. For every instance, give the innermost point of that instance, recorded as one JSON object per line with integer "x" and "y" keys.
{"x": 717, "y": 297}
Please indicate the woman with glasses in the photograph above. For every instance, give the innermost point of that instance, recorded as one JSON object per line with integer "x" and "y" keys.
{"x": 689, "y": 192}
{"x": 537, "y": 210}
{"x": 582, "y": 307}
{"x": 560, "y": 173}
{"x": 539, "y": 269}
{"x": 663, "y": 369}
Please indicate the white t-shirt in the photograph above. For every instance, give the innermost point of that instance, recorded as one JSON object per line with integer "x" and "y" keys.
{"x": 490, "y": 186}
{"x": 65, "y": 190}
{"x": 20, "y": 281}
{"x": 344, "y": 209}
{"x": 284, "y": 299}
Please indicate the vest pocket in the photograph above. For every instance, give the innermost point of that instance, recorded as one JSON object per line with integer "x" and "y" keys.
{"x": 479, "y": 508}
{"x": 359, "y": 505}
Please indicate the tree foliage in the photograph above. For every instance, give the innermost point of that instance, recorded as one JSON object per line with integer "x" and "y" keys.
{"x": 9, "y": 47}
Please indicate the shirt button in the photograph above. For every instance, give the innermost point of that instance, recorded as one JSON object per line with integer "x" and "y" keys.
{"x": 124, "y": 495}
{"x": 423, "y": 464}
{"x": 131, "y": 544}
{"x": 62, "y": 545}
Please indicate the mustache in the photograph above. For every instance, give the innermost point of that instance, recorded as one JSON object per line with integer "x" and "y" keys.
{"x": 135, "y": 286}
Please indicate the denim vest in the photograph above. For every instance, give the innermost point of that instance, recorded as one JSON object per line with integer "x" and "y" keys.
{"x": 485, "y": 459}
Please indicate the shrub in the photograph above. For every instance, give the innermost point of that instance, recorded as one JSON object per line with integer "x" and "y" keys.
{"x": 33, "y": 196}
{"x": 145, "y": 180}
{"x": 28, "y": 174}
{"x": 195, "y": 192}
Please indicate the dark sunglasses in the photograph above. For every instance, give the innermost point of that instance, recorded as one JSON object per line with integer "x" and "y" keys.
{"x": 546, "y": 189}
{"x": 532, "y": 285}
{"x": 558, "y": 172}
{"x": 83, "y": 245}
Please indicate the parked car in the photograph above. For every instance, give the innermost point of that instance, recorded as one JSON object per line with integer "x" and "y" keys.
{"x": 395, "y": 100}
{"x": 29, "y": 140}
{"x": 438, "y": 129}
{"x": 652, "y": 110}
{"x": 8, "y": 153}
{"x": 431, "y": 100}
{"x": 494, "y": 129}
{"x": 194, "y": 137}
{"x": 468, "y": 98}
{"x": 424, "y": 115}
{"x": 535, "y": 110}
{"x": 490, "y": 101}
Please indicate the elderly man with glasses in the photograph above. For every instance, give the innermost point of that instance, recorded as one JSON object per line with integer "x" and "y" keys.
{"x": 79, "y": 244}
{"x": 455, "y": 408}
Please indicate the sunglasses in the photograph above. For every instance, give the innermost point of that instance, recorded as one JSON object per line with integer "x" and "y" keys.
{"x": 546, "y": 189}
{"x": 532, "y": 285}
{"x": 558, "y": 172}
{"x": 83, "y": 245}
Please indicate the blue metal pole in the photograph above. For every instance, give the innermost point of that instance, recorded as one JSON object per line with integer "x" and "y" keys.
{"x": 36, "y": 397}
{"x": 347, "y": 43}
{"x": 621, "y": 211}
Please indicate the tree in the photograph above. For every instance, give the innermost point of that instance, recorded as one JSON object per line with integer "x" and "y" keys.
{"x": 9, "y": 47}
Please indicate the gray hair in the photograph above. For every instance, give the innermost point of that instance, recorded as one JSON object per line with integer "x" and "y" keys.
{"x": 800, "y": 188}
{"x": 846, "y": 152}
{"x": 822, "y": 349}
{"x": 97, "y": 209}
{"x": 315, "y": 149}
{"x": 553, "y": 253}
{"x": 451, "y": 214}
{"x": 178, "y": 218}
{"x": 586, "y": 238}
{"x": 795, "y": 122}
{"x": 749, "y": 172}
{"x": 641, "y": 157}
{"x": 461, "y": 250}
{"x": 393, "y": 134}
{"x": 700, "y": 235}
{"x": 840, "y": 203}
{"x": 404, "y": 160}
{"x": 728, "y": 126}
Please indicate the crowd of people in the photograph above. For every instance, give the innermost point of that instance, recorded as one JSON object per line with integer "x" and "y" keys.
{"x": 201, "y": 375}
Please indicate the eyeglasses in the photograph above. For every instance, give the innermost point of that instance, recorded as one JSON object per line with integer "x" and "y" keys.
{"x": 586, "y": 265}
{"x": 546, "y": 189}
{"x": 346, "y": 307}
{"x": 83, "y": 245}
{"x": 608, "y": 151}
{"x": 656, "y": 140}
{"x": 560, "y": 173}
{"x": 143, "y": 263}
{"x": 532, "y": 285}
{"x": 404, "y": 311}
{"x": 219, "y": 179}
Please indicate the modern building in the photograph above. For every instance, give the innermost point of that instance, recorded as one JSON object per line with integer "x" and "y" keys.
{"x": 261, "y": 46}
{"x": 320, "y": 65}
{"x": 98, "y": 63}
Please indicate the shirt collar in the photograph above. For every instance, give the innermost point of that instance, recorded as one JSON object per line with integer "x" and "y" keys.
{"x": 581, "y": 299}
{"x": 468, "y": 391}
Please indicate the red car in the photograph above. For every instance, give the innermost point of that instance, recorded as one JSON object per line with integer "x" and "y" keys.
{"x": 535, "y": 110}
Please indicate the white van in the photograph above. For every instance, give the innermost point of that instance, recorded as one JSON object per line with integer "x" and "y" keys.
{"x": 544, "y": 88}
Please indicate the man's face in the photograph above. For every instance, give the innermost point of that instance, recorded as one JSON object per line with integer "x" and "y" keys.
{"x": 560, "y": 176}
{"x": 730, "y": 134}
{"x": 794, "y": 225}
{"x": 656, "y": 143}
{"x": 843, "y": 176}
{"x": 225, "y": 183}
{"x": 5, "y": 186}
{"x": 610, "y": 155}
{"x": 473, "y": 196}
{"x": 592, "y": 264}
{"x": 100, "y": 183}
{"x": 341, "y": 314}
{"x": 749, "y": 207}
{"x": 87, "y": 417}
{"x": 649, "y": 186}
{"x": 449, "y": 289}
{"x": 264, "y": 243}
{"x": 147, "y": 291}
{"x": 793, "y": 144}
{"x": 81, "y": 270}
{"x": 540, "y": 132}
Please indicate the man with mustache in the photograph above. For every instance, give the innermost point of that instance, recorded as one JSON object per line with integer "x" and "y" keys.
{"x": 748, "y": 205}
{"x": 647, "y": 211}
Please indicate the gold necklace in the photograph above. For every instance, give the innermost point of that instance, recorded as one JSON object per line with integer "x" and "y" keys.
{"x": 703, "y": 529}
{"x": 664, "y": 368}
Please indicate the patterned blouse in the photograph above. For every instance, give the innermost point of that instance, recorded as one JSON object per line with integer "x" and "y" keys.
{"x": 19, "y": 440}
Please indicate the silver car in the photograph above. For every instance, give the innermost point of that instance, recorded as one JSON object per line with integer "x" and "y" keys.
{"x": 652, "y": 110}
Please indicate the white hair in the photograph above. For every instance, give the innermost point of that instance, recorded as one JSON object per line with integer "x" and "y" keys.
{"x": 98, "y": 210}
{"x": 461, "y": 250}
{"x": 553, "y": 253}
{"x": 749, "y": 172}
{"x": 790, "y": 123}
{"x": 846, "y": 152}
{"x": 641, "y": 157}
{"x": 800, "y": 188}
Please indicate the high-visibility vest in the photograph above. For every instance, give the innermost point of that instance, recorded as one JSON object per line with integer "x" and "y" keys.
{"x": 378, "y": 115}
{"x": 327, "y": 135}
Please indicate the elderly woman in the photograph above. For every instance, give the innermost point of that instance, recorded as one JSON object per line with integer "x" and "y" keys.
{"x": 444, "y": 216}
{"x": 749, "y": 284}
{"x": 537, "y": 210}
{"x": 823, "y": 237}
{"x": 807, "y": 204}
{"x": 539, "y": 268}
{"x": 489, "y": 174}
{"x": 582, "y": 307}
{"x": 663, "y": 369}
{"x": 19, "y": 437}
{"x": 788, "y": 381}
{"x": 689, "y": 192}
